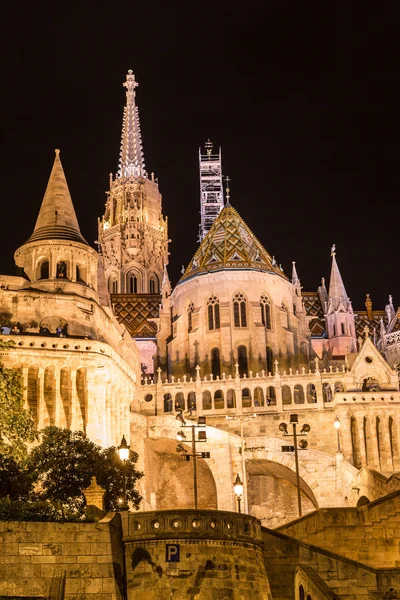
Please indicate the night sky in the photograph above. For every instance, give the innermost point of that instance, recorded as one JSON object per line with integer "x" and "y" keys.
{"x": 303, "y": 98}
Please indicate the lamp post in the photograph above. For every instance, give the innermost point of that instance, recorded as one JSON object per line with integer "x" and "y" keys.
{"x": 238, "y": 489}
{"x": 336, "y": 425}
{"x": 123, "y": 451}
{"x": 294, "y": 419}
{"x": 202, "y": 437}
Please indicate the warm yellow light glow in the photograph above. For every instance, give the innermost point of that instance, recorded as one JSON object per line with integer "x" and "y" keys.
{"x": 180, "y": 436}
{"x": 337, "y": 423}
{"x": 123, "y": 449}
{"x": 238, "y": 487}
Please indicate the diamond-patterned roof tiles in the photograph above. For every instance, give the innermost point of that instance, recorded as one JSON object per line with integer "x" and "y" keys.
{"x": 230, "y": 244}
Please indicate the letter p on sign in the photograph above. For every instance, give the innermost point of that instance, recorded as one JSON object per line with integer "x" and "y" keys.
{"x": 172, "y": 552}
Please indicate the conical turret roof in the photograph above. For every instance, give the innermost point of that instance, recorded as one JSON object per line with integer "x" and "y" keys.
{"x": 57, "y": 219}
{"x": 230, "y": 244}
{"x": 337, "y": 290}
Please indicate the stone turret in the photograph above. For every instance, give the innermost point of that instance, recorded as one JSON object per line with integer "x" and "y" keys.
{"x": 56, "y": 255}
{"x": 339, "y": 315}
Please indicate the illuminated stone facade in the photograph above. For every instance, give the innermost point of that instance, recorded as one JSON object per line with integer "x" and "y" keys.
{"x": 109, "y": 346}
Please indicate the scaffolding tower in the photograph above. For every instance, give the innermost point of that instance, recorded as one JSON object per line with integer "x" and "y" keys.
{"x": 211, "y": 190}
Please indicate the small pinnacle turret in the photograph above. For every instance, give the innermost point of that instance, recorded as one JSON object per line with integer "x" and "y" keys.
{"x": 131, "y": 162}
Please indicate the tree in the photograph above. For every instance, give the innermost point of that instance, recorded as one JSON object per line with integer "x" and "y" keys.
{"x": 110, "y": 474}
{"x": 64, "y": 461}
{"x": 16, "y": 424}
{"x": 16, "y": 481}
{"x": 67, "y": 460}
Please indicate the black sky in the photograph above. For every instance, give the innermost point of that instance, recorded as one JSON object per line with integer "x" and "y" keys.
{"x": 303, "y": 98}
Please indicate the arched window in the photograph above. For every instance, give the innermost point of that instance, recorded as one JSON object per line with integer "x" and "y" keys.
{"x": 207, "y": 400}
{"x": 167, "y": 403}
{"x": 180, "y": 400}
{"x": 215, "y": 363}
{"x": 44, "y": 270}
{"x": 246, "y": 398}
{"x": 191, "y": 401}
{"x": 132, "y": 284}
{"x": 270, "y": 361}
{"x": 265, "y": 311}
{"x": 79, "y": 277}
{"x": 113, "y": 284}
{"x": 213, "y": 313}
{"x": 311, "y": 393}
{"x": 258, "y": 397}
{"x": 242, "y": 360}
{"x": 62, "y": 270}
{"x": 154, "y": 287}
{"x": 230, "y": 399}
{"x": 298, "y": 394}
{"x": 189, "y": 314}
{"x": 219, "y": 399}
{"x": 239, "y": 310}
{"x": 271, "y": 396}
{"x": 301, "y": 593}
{"x": 326, "y": 392}
{"x": 286, "y": 395}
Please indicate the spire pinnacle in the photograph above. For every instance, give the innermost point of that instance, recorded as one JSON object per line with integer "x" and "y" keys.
{"x": 295, "y": 277}
{"x": 337, "y": 290}
{"x": 227, "y": 190}
{"x": 131, "y": 162}
{"x": 57, "y": 217}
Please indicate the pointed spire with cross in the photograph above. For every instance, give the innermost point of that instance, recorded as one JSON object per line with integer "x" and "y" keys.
{"x": 131, "y": 162}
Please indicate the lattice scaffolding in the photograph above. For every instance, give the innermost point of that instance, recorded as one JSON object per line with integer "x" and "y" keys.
{"x": 211, "y": 190}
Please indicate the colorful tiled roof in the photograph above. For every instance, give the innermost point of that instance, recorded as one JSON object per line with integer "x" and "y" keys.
{"x": 230, "y": 244}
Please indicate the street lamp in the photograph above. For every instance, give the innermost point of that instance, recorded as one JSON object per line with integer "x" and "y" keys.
{"x": 238, "y": 489}
{"x": 336, "y": 425}
{"x": 202, "y": 437}
{"x": 123, "y": 451}
{"x": 303, "y": 445}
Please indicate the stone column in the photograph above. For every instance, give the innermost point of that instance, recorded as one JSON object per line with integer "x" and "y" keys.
{"x": 25, "y": 373}
{"x": 74, "y": 400}
{"x": 372, "y": 443}
{"x": 384, "y": 444}
{"x": 359, "y": 421}
{"x": 40, "y": 397}
{"x": 58, "y": 408}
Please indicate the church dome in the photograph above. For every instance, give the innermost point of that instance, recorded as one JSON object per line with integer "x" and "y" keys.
{"x": 230, "y": 244}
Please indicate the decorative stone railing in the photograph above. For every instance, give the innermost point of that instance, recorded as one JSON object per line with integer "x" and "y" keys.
{"x": 65, "y": 344}
{"x": 392, "y": 338}
{"x": 192, "y": 524}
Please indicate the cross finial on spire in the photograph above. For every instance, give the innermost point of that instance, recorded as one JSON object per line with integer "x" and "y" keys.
{"x": 227, "y": 190}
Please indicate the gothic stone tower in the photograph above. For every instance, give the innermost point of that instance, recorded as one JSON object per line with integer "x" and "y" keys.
{"x": 133, "y": 237}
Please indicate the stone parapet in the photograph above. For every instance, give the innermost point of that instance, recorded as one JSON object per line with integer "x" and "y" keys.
{"x": 186, "y": 524}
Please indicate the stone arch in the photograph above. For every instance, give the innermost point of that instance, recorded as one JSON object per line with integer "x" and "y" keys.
{"x": 231, "y": 399}
{"x": 133, "y": 282}
{"x": 167, "y": 403}
{"x": 169, "y": 480}
{"x": 246, "y": 397}
{"x": 363, "y": 501}
{"x": 258, "y": 397}
{"x": 206, "y": 398}
{"x": 219, "y": 399}
{"x": 271, "y": 395}
{"x": 298, "y": 394}
{"x": 180, "y": 400}
{"x": 271, "y": 483}
{"x": 63, "y": 269}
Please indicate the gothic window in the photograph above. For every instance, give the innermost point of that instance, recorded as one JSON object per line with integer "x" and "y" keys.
{"x": 343, "y": 329}
{"x": 189, "y": 314}
{"x": 270, "y": 361}
{"x": 265, "y": 311}
{"x": 133, "y": 284}
{"x": 213, "y": 313}
{"x": 239, "y": 310}
{"x": 44, "y": 270}
{"x": 215, "y": 363}
{"x": 113, "y": 284}
{"x": 154, "y": 288}
{"x": 61, "y": 270}
{"x": 242, "y": 361}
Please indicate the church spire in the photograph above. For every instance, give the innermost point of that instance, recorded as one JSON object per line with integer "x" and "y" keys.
{"x": 57, "y": 218}
{"x": 131, "y": 161}
{"x": 337, "y": 291}
{"x": 295, "y": 277}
